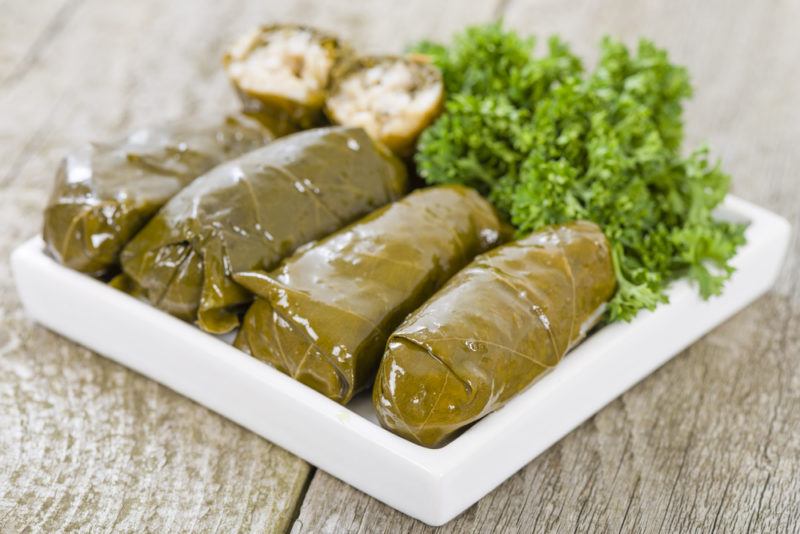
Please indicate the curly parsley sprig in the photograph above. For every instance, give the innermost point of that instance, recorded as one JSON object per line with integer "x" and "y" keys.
{"x": 548, "y": 142}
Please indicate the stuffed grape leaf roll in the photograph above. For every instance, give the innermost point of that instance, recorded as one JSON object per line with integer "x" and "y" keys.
{"x": 324, "y": 315}
{"x": 492, "y": 330}
{"x": 251, "y": 212}
{"x": 285, "y": 69}
{"x": 393, "y": 98}
{"x": 104, "y": 193}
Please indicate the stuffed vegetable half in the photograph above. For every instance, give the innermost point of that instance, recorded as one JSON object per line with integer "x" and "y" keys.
{"x": 285, "y": 69}
{"x": 251, "y": 212}
{"x": 392, "y": 98}
{"x": 324, "y": 315}
{"x": 492, "y": 330}
{"x": 104, "y": 193}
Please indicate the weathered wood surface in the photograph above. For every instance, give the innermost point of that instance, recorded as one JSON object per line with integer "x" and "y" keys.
{"x": 709, "y": 442}
{"x": 84, "y": 443}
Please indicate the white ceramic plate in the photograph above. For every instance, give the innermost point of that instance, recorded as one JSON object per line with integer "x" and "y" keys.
{"x": 433, "y": 485}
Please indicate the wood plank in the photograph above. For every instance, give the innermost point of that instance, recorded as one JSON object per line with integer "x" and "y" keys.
{"x": 708, "y": 442}
{"x": 87, "y": 444}
{"x": 26, "y": 29}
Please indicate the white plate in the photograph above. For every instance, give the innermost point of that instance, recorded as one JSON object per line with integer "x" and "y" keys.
{"x": 433, "y": 485}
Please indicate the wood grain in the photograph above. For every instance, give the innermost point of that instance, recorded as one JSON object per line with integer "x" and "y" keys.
{"x": 708, "y": 443}
{"x": 86, "y": 444}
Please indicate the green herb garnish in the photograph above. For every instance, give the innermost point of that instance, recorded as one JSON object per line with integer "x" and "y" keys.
{"x": 549, "y": 142}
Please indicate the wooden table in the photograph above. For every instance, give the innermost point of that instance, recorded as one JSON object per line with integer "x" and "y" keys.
{"x": 709, "y": 442}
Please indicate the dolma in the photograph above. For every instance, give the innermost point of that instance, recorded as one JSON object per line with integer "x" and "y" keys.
{"x": 249, "y": 213}
{"x": 324, "y": 315}
{"x": 286, "y": 69}
{"x": 104, "y": 193}
{"x": 493, "y": 329}
{"x": 392, "y": 98}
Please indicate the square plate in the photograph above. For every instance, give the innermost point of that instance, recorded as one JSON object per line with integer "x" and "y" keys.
{"x": 433, "y": 485}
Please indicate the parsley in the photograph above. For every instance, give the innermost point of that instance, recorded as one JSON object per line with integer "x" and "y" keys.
{"x": 549, "y": 142}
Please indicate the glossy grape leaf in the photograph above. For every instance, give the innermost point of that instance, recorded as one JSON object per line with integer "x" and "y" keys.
{"x": 105, "y": 193}
{"x": 492, "y": 330}
{"x": 324, "y": 315}
{"x": 251, "y": 212}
